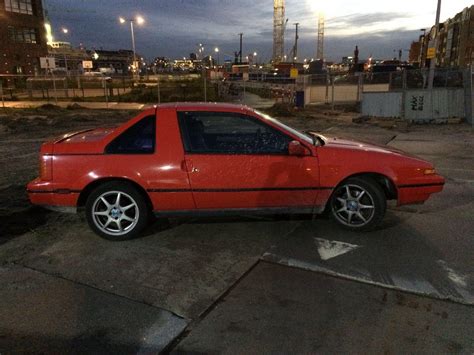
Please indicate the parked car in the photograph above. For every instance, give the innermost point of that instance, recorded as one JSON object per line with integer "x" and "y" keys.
{"x": 96, "y": 75}
{"x": 202, "y": 158}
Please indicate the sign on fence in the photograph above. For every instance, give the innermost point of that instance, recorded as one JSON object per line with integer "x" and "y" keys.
{"x": 47, "y": 63}
{"x": 431, "y": 53}
{"x": 87, "y": 64}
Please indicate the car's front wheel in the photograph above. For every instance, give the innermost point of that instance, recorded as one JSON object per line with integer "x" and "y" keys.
{"x": 358, "y": 204}
{"x": 117, "y": 211}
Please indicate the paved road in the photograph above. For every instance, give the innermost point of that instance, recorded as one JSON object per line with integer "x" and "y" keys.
{"x": 243, "y": 283}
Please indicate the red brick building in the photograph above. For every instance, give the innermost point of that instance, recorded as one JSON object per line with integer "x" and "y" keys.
{"x": 22, "y": 36}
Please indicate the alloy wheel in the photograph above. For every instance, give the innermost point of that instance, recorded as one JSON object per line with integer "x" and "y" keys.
{"x": 115, "y": 213}
{"x": 353, "y": 205}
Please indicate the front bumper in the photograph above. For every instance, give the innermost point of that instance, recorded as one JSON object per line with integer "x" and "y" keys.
{"x": 419, "y": 192}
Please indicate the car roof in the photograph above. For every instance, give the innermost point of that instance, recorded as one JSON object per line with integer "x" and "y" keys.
{"x": 204, "y": 106}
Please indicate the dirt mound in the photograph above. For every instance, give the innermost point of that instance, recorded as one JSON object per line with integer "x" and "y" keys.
{"x": 75, "y": 106}
{"x": 280, "y": 110}
{"x": 49, "y": 107}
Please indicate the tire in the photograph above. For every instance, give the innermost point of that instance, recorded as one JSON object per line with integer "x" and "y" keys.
{"x": 114, "y": 221}
{"x": 362, "y": 210}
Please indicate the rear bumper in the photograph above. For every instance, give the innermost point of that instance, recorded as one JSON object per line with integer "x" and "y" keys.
{"x": 44, "y": 193}
{"x": 418, "y": 193}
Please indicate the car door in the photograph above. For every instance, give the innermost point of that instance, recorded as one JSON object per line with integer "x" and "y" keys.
{"x": 235, "y": 160}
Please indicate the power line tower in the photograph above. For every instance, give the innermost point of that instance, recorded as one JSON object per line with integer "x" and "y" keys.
{"x": 278, "y": 30}
{"x": 320, "y": 48}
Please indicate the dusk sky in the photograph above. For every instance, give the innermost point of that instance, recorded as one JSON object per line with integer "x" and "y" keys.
{"x": 173, "y": 28}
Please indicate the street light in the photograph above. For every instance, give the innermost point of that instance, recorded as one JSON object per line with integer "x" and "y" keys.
{"x": 65, "y": 31}
{"x": 217, "y": 52}
{"x": 139, "y": 20}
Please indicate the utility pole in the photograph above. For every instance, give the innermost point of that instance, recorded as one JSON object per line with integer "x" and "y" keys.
{"x": 422, "y": 46}
{"x": 240, "y": 52}
{"x": 433, "y": 60}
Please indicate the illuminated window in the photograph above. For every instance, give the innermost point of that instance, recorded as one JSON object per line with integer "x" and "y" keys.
{"x": 19, "y": 6}
{"x": 22, "y": 35}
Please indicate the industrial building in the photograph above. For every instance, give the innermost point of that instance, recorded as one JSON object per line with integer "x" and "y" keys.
{"x": 455, "y": 45}
{"x": 22, "y": 36}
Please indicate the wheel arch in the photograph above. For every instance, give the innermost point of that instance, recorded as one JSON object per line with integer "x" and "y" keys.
{"x": 385, "y": 182}
{"x": 81, "y": 202}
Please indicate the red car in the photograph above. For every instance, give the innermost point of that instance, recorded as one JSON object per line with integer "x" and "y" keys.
{"x": 201, "y": 158}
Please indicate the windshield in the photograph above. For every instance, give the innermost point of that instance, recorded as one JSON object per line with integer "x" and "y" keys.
{"x": 303, "y": 136}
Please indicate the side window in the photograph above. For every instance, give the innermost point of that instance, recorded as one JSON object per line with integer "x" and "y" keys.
{"x": 138, "y": 139}
{"x": 230, "y": 133}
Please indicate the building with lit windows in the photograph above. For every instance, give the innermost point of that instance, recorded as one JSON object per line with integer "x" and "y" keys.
{"x": 22, "y": 36}
{"x": 455, "y": 45}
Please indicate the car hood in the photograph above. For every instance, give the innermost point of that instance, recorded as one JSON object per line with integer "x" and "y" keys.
{"x": 338, "y": 142}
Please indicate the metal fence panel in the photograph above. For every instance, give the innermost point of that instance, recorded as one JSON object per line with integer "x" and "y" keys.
{"x": 426, "y": 105}
{"x": 382, "y": 104}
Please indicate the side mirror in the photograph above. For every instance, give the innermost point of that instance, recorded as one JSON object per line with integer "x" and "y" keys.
{"x": 296, "y": 149}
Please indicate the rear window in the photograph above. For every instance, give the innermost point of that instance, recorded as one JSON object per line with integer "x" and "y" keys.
{"x": 138, "y": 139}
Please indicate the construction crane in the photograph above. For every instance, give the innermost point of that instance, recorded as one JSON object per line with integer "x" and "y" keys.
{"x": 320, "y": 47}
{"x": 295, "y": 46}
{"x": 279, "y": 25}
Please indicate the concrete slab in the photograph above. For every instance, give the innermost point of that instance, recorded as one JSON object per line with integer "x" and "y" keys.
{"x": 400, "y": 255}
{"x": 182, "y": 268}
{"x": 277, "y": 309}
{"x": 45, "y": 314}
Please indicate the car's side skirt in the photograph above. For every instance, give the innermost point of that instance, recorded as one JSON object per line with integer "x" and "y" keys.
{"x": 242, "y": 211}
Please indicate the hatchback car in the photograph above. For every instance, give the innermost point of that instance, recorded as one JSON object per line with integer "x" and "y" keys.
{"x": 210, "y": 159}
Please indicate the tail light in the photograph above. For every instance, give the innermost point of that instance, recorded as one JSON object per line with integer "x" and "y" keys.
{"x": 46, "y": 167}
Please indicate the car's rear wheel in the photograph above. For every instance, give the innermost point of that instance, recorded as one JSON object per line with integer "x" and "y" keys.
{"x": 117, "y": 211}
{"x": 358, "y": 204}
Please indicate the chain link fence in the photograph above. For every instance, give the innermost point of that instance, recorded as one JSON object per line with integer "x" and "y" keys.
{"x": 102, "y": 88}
{"x": 257, "y": 89}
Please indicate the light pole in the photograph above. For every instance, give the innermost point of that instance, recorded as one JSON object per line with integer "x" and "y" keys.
{"x": 422, "y": 47}
{"x": 433, "y": 60}
{"x": 255, "y": 58}
{"x": 139, "y": 20}
{"x": 65, "y": 31}
{"x": 217, "y": 51}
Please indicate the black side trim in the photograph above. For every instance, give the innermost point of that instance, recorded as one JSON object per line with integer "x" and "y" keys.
{"x": 421, "y": 185}
{"x": 241, "y": 211}
{"x": 72, "y": 154}
{"x": 59, "y": 191}
{"x": 243, "y": 189}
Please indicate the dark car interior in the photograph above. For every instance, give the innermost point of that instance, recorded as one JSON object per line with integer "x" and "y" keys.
{"x": 230, "y": 134}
